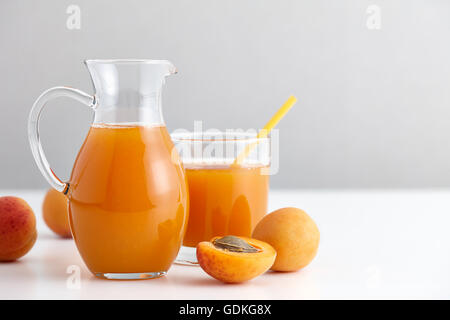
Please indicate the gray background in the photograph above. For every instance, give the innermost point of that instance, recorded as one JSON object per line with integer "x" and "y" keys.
{"x": 374, "y": 105}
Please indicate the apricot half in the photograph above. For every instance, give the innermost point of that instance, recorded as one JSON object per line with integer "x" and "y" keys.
{"x": 233, "y": 259}
{"x": 55, "y": 212}
{"x": 17, "y": 228}
{"x": 293, "y": 234}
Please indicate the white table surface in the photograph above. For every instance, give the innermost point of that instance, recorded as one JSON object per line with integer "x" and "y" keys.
{"x": 374, "y": 245}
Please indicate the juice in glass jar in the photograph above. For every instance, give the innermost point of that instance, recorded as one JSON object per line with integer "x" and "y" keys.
{"x": 127, "y": 195}
{"x": 226, "y": 197}
{"x": 224, "y": 200}
{"x": 127, "y": 206}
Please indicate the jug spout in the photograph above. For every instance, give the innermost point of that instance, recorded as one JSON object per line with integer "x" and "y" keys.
{"x": 129, "y": 90}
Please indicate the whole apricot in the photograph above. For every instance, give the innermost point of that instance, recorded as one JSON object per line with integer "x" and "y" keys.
{"x": 293, "y": 234}
{"x": 17, "y": 228}
{"x": 56, "y": 213}
{"x": 233, "y": 259}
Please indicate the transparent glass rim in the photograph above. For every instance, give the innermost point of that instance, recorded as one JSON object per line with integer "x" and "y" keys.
{"x": 217, "y": 136}
{"x": 127, "y": 61}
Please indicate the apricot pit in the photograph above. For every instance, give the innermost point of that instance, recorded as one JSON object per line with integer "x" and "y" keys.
{"x": 234, "y": 244}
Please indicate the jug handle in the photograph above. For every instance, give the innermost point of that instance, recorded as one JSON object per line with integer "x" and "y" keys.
{"x": 33, "y": 130}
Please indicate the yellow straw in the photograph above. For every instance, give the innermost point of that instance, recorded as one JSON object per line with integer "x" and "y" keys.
{"x": 265, "y": 131}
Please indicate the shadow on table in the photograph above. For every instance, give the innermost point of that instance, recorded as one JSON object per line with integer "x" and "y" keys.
{"x": 50, "y": 236}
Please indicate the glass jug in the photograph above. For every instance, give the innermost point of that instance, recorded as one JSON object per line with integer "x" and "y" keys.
{"x": 127, "y": 192}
